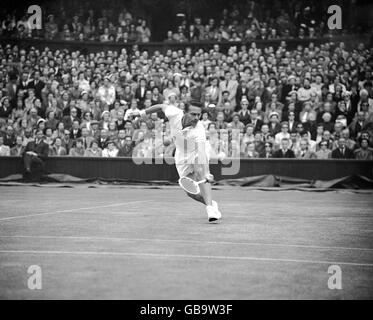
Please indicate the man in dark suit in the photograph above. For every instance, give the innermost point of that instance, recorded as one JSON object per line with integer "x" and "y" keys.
{"x": 9, "y": 137}
{"x": 126, "y": 149}
{"x": 35, "y": 152}
{"x": 284, "y": 151}
{"x": 23, "y": 82}
{"x": 36, "y": 84}
{"x": 140, "y": 91}
{"x": 68, "y": 120}
{"x": 257, "y": 123}
{"x": 242, "y": 91}
{"x": 342, "y": 152}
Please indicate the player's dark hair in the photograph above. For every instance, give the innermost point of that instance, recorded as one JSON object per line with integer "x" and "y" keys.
{"x": 194, "y": 103}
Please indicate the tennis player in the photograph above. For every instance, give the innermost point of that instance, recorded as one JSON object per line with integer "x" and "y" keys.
{"x": 191, "y": 158}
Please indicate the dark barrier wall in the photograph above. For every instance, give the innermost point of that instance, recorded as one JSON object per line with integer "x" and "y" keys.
{"x": 126, "y": 168}
{"x": 92, "y": 46}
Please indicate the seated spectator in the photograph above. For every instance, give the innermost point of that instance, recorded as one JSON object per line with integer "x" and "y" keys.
{"x": 126, "y": 148}
{"x": 364, "y": 152}
{"x": 93, "y": 150}
{"x": 236, "y": 123}
{"x": 110, "y": 151}
{"x": 284, "y": 151}
{"x": 283, "y": 134}
{"x": 324, "y": 151}
{"x": 57, "y": 149}
{"x": 17, "y": 150}
{"x": 274, "y": 125}
{"x": 342, "y": 152}
{"x": 36, "y": 152}
{"x": 78, "y": 149}
{"x": 304, "y": 152}
{"x": 250, "y": 152}
{"x": 244, "y": 113}
{"x": 268, "y": 153}
{"x": 4, "y": 150}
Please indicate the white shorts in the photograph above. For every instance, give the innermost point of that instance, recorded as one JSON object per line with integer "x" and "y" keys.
{"x": 186, "y": 165}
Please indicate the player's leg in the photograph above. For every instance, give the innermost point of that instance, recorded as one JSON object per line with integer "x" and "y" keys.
{"x": 187, "y": 170}
{"x": 206, "y": 191}
{"x": 212, "y": 209}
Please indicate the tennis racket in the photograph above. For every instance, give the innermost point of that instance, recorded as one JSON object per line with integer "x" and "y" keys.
{"x": 189, "y": 185}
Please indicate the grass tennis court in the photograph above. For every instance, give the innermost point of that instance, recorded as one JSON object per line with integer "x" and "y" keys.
{"x": 115, "y": 242}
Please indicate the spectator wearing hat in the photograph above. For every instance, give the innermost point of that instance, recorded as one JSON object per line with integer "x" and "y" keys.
{"x": 272, "y": 108}
{"x": 284, "y": 151}
{"x": 170, "y": 90}
{"x": 94, "y": 128}
{"x": 274, "y": 125}
{"x": 105, "y": 120}
{"x": 77, "y": 150}
{"x": 93, "y": 150}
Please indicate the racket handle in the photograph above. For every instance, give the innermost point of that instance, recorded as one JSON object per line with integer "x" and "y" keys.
{"x": 202, "y": 181}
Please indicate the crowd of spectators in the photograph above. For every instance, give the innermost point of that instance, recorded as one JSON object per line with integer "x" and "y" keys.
{"x": 311, "y": 102}
{"x": 241, "y": 21}
{"x": 254, "y": 20}
{"x": 79, "y": 23}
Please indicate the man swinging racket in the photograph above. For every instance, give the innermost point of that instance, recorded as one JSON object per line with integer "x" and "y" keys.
{"x": 191, "y": 158}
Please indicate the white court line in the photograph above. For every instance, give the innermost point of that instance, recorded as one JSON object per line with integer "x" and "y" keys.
{"x": 183, "y": 256}
{"x": 71, "y": 210}
{"x": 189, "y": 241}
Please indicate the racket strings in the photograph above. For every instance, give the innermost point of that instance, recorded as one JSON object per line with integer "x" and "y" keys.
{"x": 189, "y": 185}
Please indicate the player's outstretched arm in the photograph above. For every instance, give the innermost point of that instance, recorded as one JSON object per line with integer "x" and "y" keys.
{"x": 152, "y": 109}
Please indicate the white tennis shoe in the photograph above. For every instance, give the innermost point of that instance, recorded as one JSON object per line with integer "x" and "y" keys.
{"x": 215, "y": 205}
{"x": 212, "y": 214}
